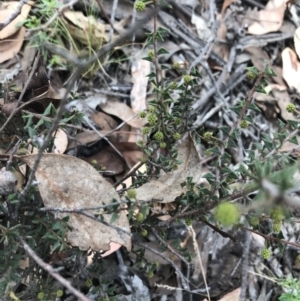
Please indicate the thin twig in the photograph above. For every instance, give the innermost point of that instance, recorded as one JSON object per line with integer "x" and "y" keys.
{"x": 16, "y": 13}
{"x": 53, "y": 128}
{"x": 170, "y": 247}
{"x": 112, "y": 19}
{"x": 106, "y": 16}
{"x": 268, "y": 237}
{"x": 196, "y": 248}
{"x": 48, "y": 268}
{"x": 35, "y": 64}
{"x": 184, "y": 280}
{"x": 52, "y": 19}
{"x": 11, "y": 154}
{"x": 245, "y": 267}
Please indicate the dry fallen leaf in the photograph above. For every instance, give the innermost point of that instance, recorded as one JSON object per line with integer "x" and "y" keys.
{"x": 222, "y": 49}
{"x": 140, "y": 69}
{"x": 122, "y": 111}
{"x": 291, "y": 68}
{"x": 109, "y": 160}
{"x": 9, "y": 8}
{"x": 104, "y": 121}
{"x": 12, "y": 45}
{"x": 68, "y": 182}
{"x": 168, "y": 186}
{"x": 226, "y": 3}
{"x": 297, "y": 41}
{"x": 86, "y": 29}
{"x": 267, "y": 20}
{"x": 60, "y": 141}
{"x": 7, "y": 182}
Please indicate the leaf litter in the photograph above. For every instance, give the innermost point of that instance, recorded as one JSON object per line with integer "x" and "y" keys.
{"x": 72, "y": 180}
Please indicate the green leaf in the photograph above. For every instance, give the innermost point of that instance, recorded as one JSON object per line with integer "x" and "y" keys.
{"x": 237, "y": 109}
{"x": 164, "y": 67}
{"x": 162, "y": 51}
{"x": 114, "y": 217}
{"x": 293, "y": 123}
{"x": 31, "y": 132}
{"x": 294, "y": 140}
{"x": 151, "y": 75}
{"x": 55, "y": 246}
{"x": 261, "y": 89}
{"x": 210, "y": 178}
{"x": 269, "y": 71}
{"x": 215, "y": 150}
{"x": 48, "y": 110}
{"x": 254, "y": 107}
{"x": 147, "y": 58}
{"x": 268, "y": 144}
{"x": 232, "y": 143}
{"x": 40, "y": 122}
{"x": 225, "y": 129}
{"x": 248, "y": 118}
{"x": 226, "y": 158}
{"x": 195, "y": 72}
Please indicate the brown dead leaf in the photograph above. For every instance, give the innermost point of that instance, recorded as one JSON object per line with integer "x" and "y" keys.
{"x": 42, "y": 97}
{"x": 104, "y": 121}
{"x": 122, "y": 111}
{"x": 131, "y": 152}
{"x": 87, "y": 137}
{"x": 283, "y": 99}
{"x": 292, "y": 148}
{"x": 68, "y": 182}
{"x": 226, "y": 3}
{"x": 222, "y": 49}
{"x": 8, "y": 108}
{"x": 11, "y": 45}
{"x": 7, "y": 182}
{"x": 291, "y": 68}
{"x": 139, "y": 70}
{"x": 267, "y": 20}
{"x": 168, "y": 186}
{"x": 108, "y": 159}
{"x": 7, "y": 9}
{"x": 60, "y": 141}
{"x": 232, "y": 296}
{"x": 86, "y": 29}
{"x": 297, "y": 41}
{"x": 20, "y": 180}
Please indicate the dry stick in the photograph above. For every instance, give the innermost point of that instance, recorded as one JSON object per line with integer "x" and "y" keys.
{"x": 127, "y": 35}
{"x": 11, "y": 155}
{"x": 81, "y": 66}
{"x": 79, "y": 210}
{"x": 103, "y": 137}
{"x": 53, "y": 128}
{"x": 245, "y": 267}
{"x": 105, "y": 15}
{"x": 52, "y": 19}
{"x": 48, "y": 268}
{"x": 128, "y": 174}
{"x": 112, "y": 18}
{"x": 176, "y": 253}
{"x": 170, "y": 247}
{"x": 14, "y": 14}
{"x": 195, "y": 245}
{"x": 40, "y": 116}
{"x": 35, "y": 64}
{"x": 245, "y": 106}
{"x": 184, "y": 281}
{"x": 118, "y": 229}
{"x": 267, "y": 237}
{"x": 290, "y": 136}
